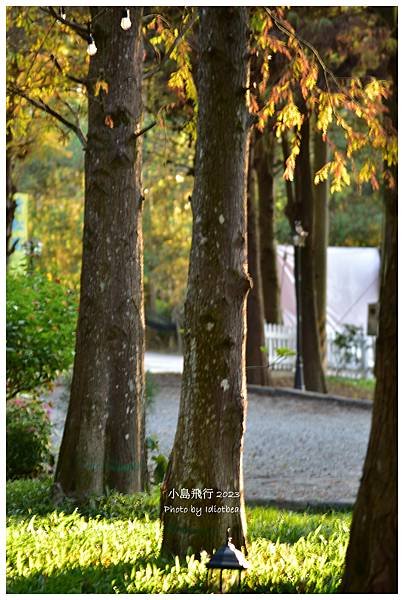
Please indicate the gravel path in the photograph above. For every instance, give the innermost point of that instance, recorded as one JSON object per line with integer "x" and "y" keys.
{"x": 296, "y": 450}
{"x": 301, "y": 451}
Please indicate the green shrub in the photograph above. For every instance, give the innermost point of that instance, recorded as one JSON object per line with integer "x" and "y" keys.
{"x": 160, "y": 460}
{"x": 26, "y": 495}
{"x": 41, "y": 321}
{"x": 28, "y": 437}
{"x": 348, "y": 341}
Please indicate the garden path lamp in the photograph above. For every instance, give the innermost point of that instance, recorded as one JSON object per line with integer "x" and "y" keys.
{"x": 229, "y": 558}
{"x": 299, "y": 240}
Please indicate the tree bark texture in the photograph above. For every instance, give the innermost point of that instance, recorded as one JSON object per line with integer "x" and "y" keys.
{"x": 371, "y": 560}
{"x": 371, "y": 564}
{"x": 304, "y": 210}
{"x": 103, "y": 440}
{"x": 11, "y": 204}
{"x": 257, "y": 360}
{"x": 321, "y": 229}
{"x": 264, "y": 164}
{"x": 208, "y": 446}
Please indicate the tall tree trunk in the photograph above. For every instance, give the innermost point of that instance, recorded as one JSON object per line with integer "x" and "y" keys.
{"x": 321, "y": 229}
{"x": 300, "y": 207}
{"x": 11, "y": 204}
{"x": 257, "y": 360}
{"x": 313, "y": 370}
{"x": 372, "y": 555}
{"x": 371, "y": 560}
{"x": 264, "y": 164}
{"x": 103, "y": 440}
{"x": 208, "y": 447}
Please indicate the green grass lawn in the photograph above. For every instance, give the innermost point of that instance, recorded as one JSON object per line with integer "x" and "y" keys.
{"x": 353, "y": 388}
{"x": 112, "y": 545}
{"x": 361, "y": 389}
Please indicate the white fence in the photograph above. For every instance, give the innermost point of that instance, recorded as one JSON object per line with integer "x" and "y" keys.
{"x": 356, "y": 362}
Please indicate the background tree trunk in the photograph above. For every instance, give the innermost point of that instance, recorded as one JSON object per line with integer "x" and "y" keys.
{"x": 264, "y": 165}
{"x": 313, "y": 371}
{"x": 321, "y": 228}
{"x": 103, "y": 440}
{"x": 208, "y": 445}
{"x": 11, "y": 204}
{"x": 300, "y": 206}
{"x": 371, "y": 561}
{"x": 257, "y": 360}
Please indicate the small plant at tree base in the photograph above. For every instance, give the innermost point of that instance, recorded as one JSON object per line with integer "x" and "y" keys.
{"x": 159, "y": 459}
{"x": 282, "y": 354}
{"x": 348, "y": 341}
{"x": 28, "y": 437}
{"x": 41, "y": 321}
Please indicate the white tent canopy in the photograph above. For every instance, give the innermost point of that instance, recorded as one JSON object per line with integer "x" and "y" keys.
{"x": 352, "y": 284}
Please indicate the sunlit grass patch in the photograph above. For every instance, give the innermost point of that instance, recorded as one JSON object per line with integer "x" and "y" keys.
{"x": 112, "y": 545}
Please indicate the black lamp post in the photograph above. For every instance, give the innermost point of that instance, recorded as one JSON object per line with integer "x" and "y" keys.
{"x": 228, "y": 557}
{"x": 299, "y": 240}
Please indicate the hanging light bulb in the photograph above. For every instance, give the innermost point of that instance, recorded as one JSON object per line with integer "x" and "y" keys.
{"x": 91, "y": 48}
{"x": 62, "y": 13}
{"x": 125, "y": 21}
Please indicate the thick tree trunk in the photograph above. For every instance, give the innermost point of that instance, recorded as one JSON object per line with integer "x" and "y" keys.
{"x": 313, "y": 370}
{"x": 208, "y": 447}
{"x": 257, "y": 360}
{"x": 372, "y": 555}
{"x": 103, "y": 440}
{"x": 264, "y": 163}
{"x": 321, "y": 228}
{"x": 371, "y": 560}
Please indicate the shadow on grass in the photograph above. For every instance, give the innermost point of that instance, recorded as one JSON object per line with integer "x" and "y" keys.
{"x": 312, "y": 508}
{"x": 28, "y": 497}
{"x": 288, "y": 526}
{"x": 124, "y": 578}
{"x": 106, "y": 579}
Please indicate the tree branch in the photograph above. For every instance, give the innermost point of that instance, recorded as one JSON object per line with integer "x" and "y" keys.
{"x": 79, "y": 29}
{"x": 143, "y": 131}
{"x": 171, "y": 49}
{"x": 13, "y": 247}
{"x": 69, "y": 77}
{"x": 327, "y": 72}
{"x": 69, "y": 107}
{"x": 291, "y": 33}
{"x": 41, "y": 105}
{"x": 38, "y": 50}
{"x": 151, "y": 16}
